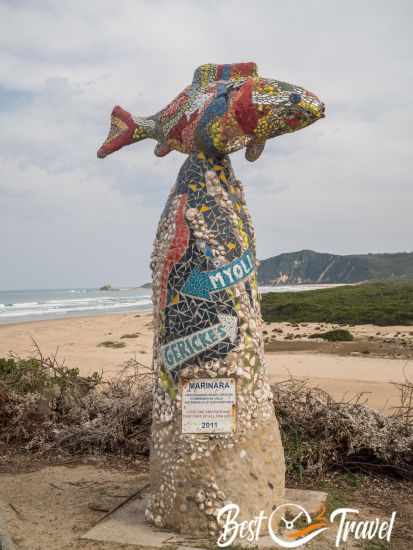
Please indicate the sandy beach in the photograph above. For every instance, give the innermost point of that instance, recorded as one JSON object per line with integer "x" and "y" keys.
{"x": 378, "y": 357}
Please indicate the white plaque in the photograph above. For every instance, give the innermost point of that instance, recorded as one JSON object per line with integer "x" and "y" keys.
{"x": 209, "y": 406}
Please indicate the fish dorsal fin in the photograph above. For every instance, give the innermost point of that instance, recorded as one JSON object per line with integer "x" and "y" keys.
{"x": 254, "y": 150}
{"x": 206, "y": 74}
{"x": 162, "y": 149}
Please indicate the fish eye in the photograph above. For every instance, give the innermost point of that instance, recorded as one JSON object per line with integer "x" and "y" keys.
{"x": 295, "y": 98}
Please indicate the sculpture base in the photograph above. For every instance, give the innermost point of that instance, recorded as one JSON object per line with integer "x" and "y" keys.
{"x": 127, "y": 525}
{"x": 248, "y": 472}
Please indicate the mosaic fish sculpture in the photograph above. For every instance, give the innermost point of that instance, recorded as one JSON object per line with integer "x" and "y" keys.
{"x": 206, "y": 306}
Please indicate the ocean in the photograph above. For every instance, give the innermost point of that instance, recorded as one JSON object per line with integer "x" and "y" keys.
{"x": 18, "y": 306}
{"x": 29, "y": 305}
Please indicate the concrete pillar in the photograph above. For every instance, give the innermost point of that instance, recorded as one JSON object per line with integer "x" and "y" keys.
{"x": 215, "y": 438}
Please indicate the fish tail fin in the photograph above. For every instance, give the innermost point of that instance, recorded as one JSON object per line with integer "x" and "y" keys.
{"x": 124, "y": 130}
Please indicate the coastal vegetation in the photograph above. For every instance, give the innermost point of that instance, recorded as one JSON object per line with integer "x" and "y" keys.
{"x": 111, "y": 344}
{"x": 336, "y": 335}
{"x": 27, "y": 376}
{"x": 48, "y": 408}
{"x": 380, "y": 303}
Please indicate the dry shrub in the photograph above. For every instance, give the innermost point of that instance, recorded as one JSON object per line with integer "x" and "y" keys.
{"x": 67, "y": 413}
{"x": 83, "y": 415}
{"x": 321, "y": 434}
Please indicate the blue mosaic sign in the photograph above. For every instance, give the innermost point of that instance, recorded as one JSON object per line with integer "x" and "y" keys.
{"x": 201, "y": 284}
{"x": 178, "y": 351}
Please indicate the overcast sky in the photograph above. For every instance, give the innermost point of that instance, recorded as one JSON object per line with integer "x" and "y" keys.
{"x": 343, "y": 185}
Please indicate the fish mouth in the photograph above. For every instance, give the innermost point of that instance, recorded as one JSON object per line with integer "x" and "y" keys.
{"x": 121, "y": 132}
{"x": 314, "y": 110}
{"x": 313, "y": 107}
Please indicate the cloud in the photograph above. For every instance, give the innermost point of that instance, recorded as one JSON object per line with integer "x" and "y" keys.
{"x": 342, "y": 185}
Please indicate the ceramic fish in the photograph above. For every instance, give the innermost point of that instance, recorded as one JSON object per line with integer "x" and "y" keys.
{"x": 226, "y": 108}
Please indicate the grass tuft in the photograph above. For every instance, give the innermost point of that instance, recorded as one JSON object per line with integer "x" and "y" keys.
{"x": 111, "y": 344}
{"x": 336, "y": 335}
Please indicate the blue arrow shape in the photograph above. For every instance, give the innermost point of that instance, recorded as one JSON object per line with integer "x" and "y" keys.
{"x": 201, "y": 284}
{"x": 178, "y": 351}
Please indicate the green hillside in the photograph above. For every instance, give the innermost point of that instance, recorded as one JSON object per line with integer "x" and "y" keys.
{"x": 380, "y": 303}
